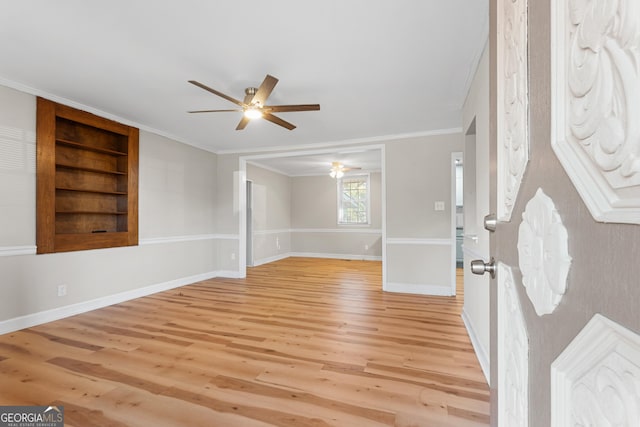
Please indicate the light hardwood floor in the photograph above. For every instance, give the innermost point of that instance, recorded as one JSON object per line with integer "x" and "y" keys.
{"x": 299, "y": 342}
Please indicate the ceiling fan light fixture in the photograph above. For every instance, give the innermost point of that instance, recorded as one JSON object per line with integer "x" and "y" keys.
{"x": 337, "y": 170}
{"x": 253, "y": 113}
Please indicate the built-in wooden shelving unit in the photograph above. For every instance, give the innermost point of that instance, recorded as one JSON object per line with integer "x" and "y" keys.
{"x": 87, "y": 180}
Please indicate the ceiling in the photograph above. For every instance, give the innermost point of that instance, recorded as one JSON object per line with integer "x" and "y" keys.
{"x": 319, "y": 163}
{"x": 378, "y": 68}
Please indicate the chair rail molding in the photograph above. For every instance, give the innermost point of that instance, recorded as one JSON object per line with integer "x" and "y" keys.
{"x": 419, "y": 241}
{"x": 188, "y": 238}
{"x": 513, "y": 102}
{"x": 543, "y": 254}
{"x": 17, "y": 250}
{"x": 595, "y": 103}
{"x": 596, "y": 379}
{"x": 513, "y": 354}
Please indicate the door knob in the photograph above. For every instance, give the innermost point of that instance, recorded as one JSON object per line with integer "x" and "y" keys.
{"x": 490, "y": 222}
{"x": 480, "y": 267}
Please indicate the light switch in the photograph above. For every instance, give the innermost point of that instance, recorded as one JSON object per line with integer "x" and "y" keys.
{"x": 439, "y": 206}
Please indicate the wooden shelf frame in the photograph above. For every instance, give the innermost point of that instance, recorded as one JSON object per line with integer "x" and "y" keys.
{"x": 87, "y": 187}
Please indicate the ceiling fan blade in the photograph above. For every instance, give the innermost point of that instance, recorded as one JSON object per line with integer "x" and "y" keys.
{"x": 215, "y": 92}
{"x": 247, "y": 99}
{"x": 287, "y": 108}
{"x": 244, "y": 121}
{"x": 211, "y": 111}
{"x": 277, "y": 120}
{"x": 264, "y": 90}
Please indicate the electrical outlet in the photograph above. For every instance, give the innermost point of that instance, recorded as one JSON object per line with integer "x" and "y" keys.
{"x": 233, "y": 256}
{"x": 62, "y": 290}
{"x": 366, "y": 247}
{"x": 439, "y": 206}
{"x": 277, "y": 243}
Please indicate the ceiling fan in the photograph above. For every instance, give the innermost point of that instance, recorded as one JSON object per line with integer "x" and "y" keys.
{"x": 254, "y": 104}
{"x": 338, "y": 169}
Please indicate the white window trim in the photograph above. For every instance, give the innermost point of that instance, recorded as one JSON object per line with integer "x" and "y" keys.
{"x": 339, "y": 200}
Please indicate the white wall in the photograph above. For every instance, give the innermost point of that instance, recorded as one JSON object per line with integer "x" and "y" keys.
{"x": 476, "y": 313}
{"x": 176, "y": 225}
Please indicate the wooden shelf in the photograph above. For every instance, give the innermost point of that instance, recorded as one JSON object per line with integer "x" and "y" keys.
{"x": 82, "y": 146}
{"x": 84, "y": 190}
{"x": 87, "y": 169}
{"x": 87, "y": 180}
{"x": 89, "y": 212}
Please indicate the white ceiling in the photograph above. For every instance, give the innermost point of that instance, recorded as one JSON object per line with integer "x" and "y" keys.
{"x": 378, "y": 68}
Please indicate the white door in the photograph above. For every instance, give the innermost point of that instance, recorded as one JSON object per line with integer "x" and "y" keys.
{"x": 565, "y": 304}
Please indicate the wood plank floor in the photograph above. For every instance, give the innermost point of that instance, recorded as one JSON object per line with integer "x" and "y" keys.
{"x": 299, "y": 342}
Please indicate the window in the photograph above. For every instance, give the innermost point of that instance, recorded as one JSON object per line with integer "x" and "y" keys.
{"x": 353, "y": 200}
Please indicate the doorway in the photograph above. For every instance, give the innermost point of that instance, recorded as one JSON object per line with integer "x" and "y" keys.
{"x": 258, "y": 218}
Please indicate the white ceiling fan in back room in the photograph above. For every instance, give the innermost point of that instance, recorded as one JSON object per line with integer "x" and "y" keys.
{"x": 338, "y": 170}
{"x": 254, "y": 105}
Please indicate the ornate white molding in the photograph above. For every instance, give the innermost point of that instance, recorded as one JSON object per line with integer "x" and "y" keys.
{"x": 513, "y": 102}
{"x": 543, "y": 253}
{"x": 596, "y": 379}
{"x": 596, "y": 103}
{"x": 513, "y": 354}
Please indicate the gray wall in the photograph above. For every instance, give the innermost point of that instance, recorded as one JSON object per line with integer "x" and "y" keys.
{"x": 314, "y": 215}
{"x": 315, "y": 202}
{"x": 419, "y": 238}
{"x": 271, "y": 214}
{"x": 228, "y": 180}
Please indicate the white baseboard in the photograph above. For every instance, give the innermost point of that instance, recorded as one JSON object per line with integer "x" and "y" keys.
{"x": 39, "y": 318}
{"x": 421, "y": 289}
{"x": 230, "y": 274}
{"x": 481, "y": 352}
{"x": 270, "y": 259}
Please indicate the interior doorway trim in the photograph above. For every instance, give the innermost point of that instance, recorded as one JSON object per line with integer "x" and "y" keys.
{"x": 242, "y": 189}
{"x": 457, "y": 158}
